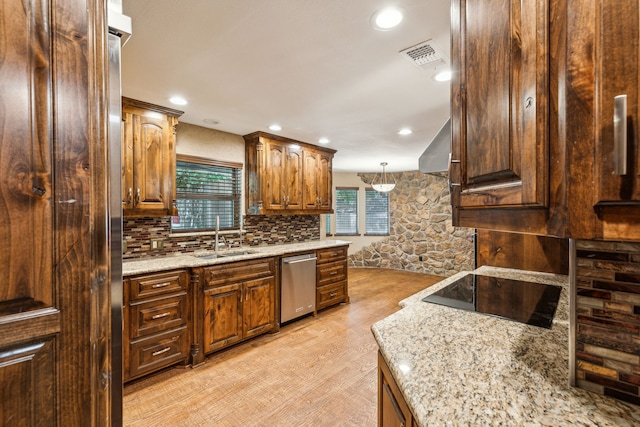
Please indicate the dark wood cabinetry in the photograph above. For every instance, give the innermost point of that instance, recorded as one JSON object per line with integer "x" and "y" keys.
{"x": 55, "y": 362}
{"x": 393, "y": 410}
{"x": 500, "y": 96}
{"x": 157, "y": 322}
{"x": 533, "y": 141}
{"x": 285, "y": 176}
{"x": 148, "y": 158}
{"x": 331, "y": 277}
{"x": 601, "y": 62}
{"x": 238, "y": 302}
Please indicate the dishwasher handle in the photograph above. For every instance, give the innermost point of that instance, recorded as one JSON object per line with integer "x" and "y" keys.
{"x": 297, "y": 261}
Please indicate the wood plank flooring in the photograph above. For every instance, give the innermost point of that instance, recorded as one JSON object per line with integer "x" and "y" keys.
{"x": 318, "y": 371}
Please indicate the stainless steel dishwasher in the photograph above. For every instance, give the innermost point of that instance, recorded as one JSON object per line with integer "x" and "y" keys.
{"x": 298, "y": 286}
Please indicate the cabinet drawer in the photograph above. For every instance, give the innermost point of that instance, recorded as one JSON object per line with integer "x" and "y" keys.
{"x": 330, "y": 295}
{"x": 331, "y": 255}
{"x": 157, "y": 284}
{"x": 238, "y": 272}
{"x": 331, "y": 273}
{"x": 159, "y": 315}
{"x": 159, "y": 351}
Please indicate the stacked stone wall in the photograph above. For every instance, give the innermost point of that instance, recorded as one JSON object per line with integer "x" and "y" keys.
{"x": 421, "y": 237}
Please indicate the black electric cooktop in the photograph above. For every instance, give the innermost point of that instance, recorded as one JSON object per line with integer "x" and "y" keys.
{"x": 521, "y": 301}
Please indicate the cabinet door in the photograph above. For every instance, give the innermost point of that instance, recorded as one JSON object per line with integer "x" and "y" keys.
{"x": 259, "y": 306}
{"x": 318, "y": 193}
{"x": 618, "y": 74}
{"x": 151, "y": 150}
{"x": 274, "y": 189}
{"x": 311, "y": 165}
{"x": 324, "y": 186}
{"x": 293, "y": 179}
{"x": 392, "y": 408}
{"x": 499, "y": 103}
{"x": 222, "y": 316}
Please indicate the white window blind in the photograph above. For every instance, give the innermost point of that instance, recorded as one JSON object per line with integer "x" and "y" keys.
{"x": 376, "y": 212}
{"x": 327, "y": 224}
{"x": 206, "y": 190}
{"x": 346, "y": 211}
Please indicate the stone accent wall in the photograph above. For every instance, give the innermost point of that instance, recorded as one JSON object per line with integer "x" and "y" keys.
{"x": 608, "y": 318}
{"x": 421, "y": 236}
{"x": 259, "y": 230}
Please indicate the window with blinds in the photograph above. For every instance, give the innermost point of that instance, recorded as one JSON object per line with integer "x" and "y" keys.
{"x": 207, "y": 191}
{"x": 346, "y": 210}
{"x": 376, "y": 212}
{"x": 327, "y": 224}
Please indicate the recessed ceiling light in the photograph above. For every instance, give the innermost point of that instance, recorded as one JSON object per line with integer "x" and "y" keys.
{"x": 324, "y": 140}
{"x": 405, "y": 131}
{"x": 178, "y": 100}
{"x": 211, "y": 121}
{"x": 443, "y": 76}
{"x": 387, "y": 18}
{"x": 275, "y": 127}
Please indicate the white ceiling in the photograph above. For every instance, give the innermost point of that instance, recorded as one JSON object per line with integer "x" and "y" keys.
{"x": 316, "y": 67}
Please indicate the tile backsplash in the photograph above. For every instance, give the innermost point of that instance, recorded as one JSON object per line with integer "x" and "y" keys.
{"x": 259, "y": 230}
{"x": 608, "y": 318}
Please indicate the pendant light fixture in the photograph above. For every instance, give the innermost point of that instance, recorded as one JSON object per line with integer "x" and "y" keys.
{"x": 383, "y": 183}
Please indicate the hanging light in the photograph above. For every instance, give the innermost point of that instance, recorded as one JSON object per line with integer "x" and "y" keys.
{"x": 381, "y": 183}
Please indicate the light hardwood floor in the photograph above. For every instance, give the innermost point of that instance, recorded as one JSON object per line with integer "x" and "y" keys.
{"x": 318, "y": 371}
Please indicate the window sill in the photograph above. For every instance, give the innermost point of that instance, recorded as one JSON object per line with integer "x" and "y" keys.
{"x": 376, "y": 235}
{"x": 347, "y": 234}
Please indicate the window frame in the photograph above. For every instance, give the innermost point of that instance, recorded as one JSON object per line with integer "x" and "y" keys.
{"x": 357, "y": 230}
{"x": 236, "y": 197}
{"x": 367, "y": 213}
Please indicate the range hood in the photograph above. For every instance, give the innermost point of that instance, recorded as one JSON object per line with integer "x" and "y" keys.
{"x": 436, "y": 157}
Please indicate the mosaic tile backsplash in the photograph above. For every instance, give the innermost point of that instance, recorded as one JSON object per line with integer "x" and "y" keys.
{"x": 608, "y": 318}
{"x": 259, "y": 230}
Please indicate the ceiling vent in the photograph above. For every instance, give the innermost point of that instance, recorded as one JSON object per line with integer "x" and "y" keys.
{"x": 425, "y": 55}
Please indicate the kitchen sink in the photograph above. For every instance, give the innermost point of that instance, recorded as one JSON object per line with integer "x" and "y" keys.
{"x": 236, "y": 253}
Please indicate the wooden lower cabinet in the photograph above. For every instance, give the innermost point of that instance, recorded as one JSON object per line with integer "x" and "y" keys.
{"x": 157, "y": 322}
{"x": 238, "y": 303}
{"x": 393, "y": 410}
{"x": 331, "y": 277}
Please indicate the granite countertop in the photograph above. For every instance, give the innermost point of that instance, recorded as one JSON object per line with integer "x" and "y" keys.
{"x": 204, "y": 258}
{"x": 457, "y": 367}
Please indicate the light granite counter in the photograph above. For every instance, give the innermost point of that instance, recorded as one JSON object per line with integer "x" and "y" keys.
{"x": 203, "y": 258}
{"x": 461, "y": 368}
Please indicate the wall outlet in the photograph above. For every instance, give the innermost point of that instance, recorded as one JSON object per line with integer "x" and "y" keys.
{"x": 156, "y": 244}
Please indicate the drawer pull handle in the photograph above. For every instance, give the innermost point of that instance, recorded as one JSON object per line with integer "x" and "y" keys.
{"x": 333, "y": 294}
{"x": 159, "y": 352}
{"x": 161, "y": 285}
{"x": 333, "y": 272}
{"x": 160, "y": 316}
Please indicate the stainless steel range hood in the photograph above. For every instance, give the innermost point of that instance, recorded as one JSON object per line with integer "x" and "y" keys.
{"x": 436, "y": 157}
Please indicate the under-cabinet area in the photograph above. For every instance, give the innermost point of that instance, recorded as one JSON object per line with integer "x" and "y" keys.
{"x": 179, "y": 309}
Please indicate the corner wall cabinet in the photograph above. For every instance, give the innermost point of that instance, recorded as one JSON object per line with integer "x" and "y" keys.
{"x": 148, "y": 159}
{"x": 499, "y": 107}
{"x": 285, "y": 176}
{"x": 541, "y": 141}
{"x": 156, "y": 321}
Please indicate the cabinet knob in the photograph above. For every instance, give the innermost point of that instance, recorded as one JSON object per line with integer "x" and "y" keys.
{"x": 137, "y": 196}
{"x": 620, "y": 135}
{"x": 130, "y": 197}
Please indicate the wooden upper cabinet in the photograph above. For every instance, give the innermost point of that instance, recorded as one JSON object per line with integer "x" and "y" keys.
{"x": 317, "y": 180}
{"x": 499, "y": 104}
{"x": 286, "y": 176}
{"x": 148, "y": 158}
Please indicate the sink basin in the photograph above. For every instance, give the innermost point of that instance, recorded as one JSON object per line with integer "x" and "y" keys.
{"x": 236, "y": 253}
{"x": 206, "y": 256}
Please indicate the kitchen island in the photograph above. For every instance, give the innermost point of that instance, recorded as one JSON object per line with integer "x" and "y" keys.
{"x": 456, "y": 367}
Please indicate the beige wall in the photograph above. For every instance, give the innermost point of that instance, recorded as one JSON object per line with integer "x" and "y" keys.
{"x": 214, "y": 144}
{"x": 351, "y": 179}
